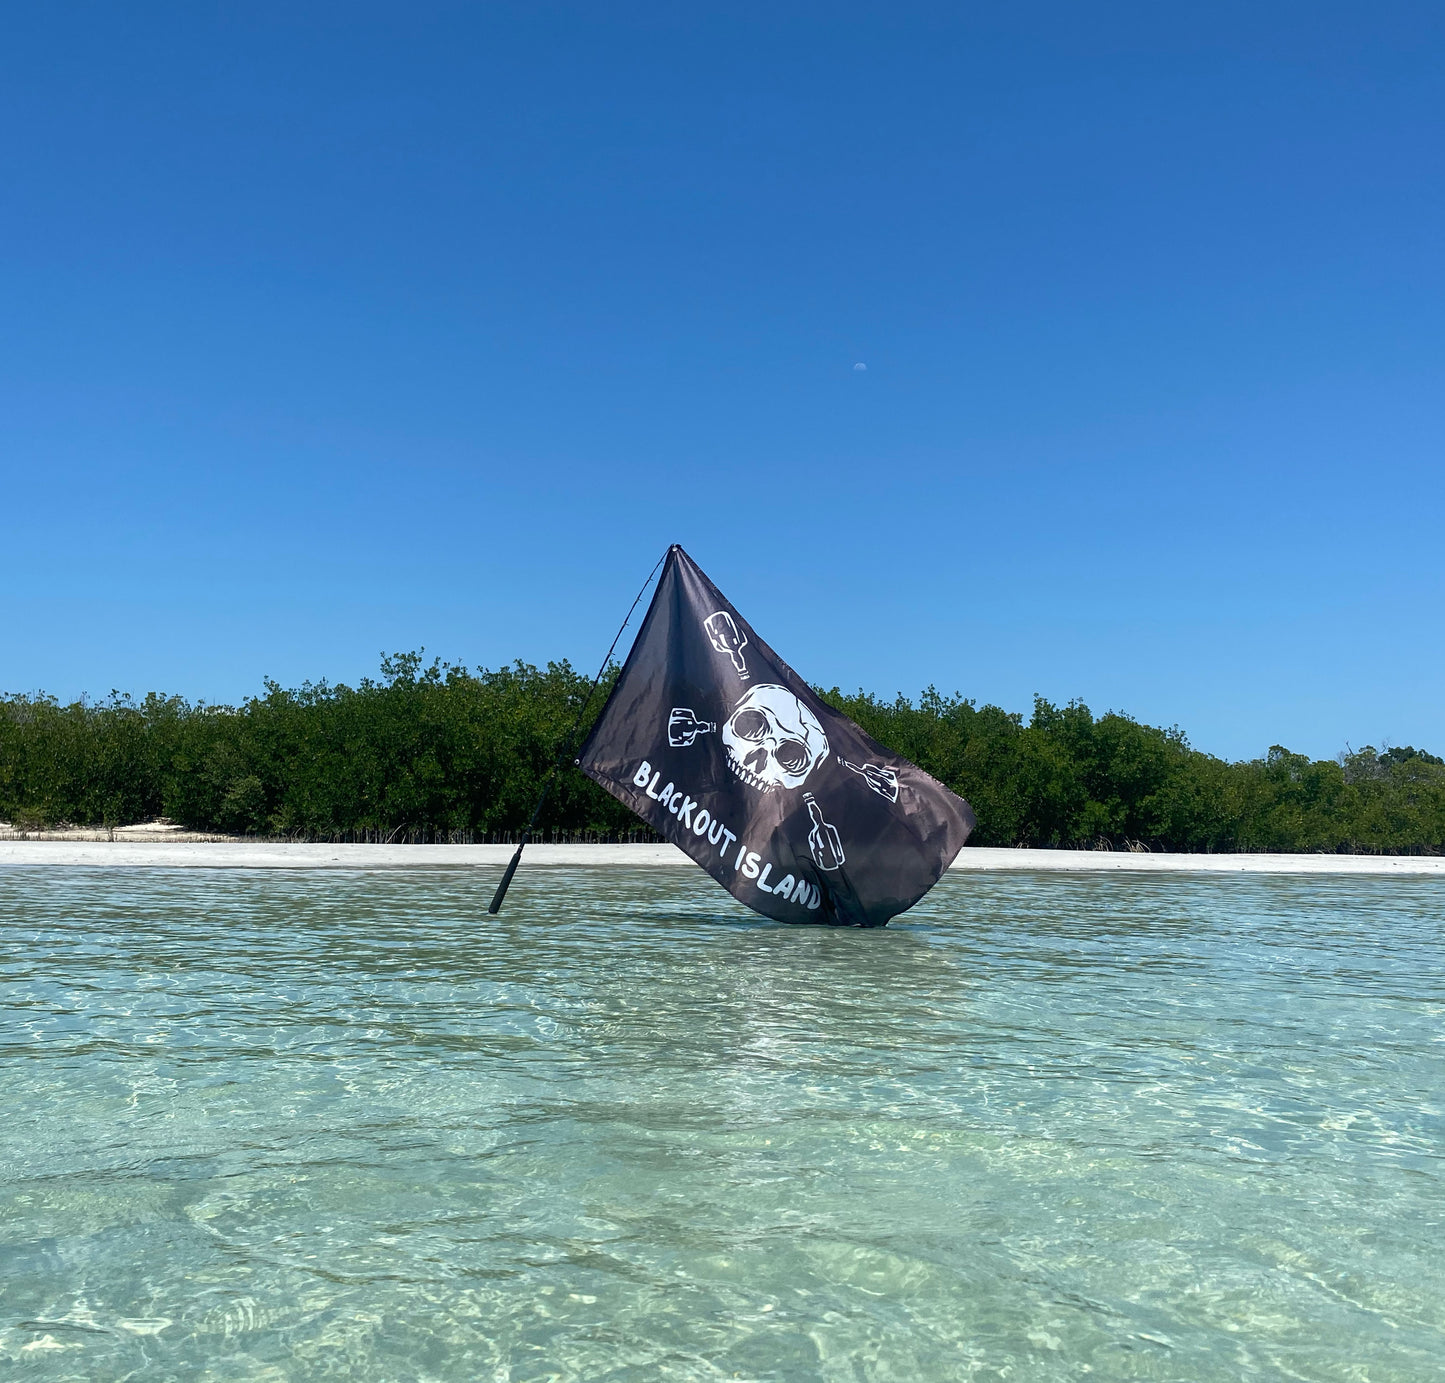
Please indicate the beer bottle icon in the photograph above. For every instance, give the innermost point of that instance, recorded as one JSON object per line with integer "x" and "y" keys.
{"x": 823, "y": 838}
{"x": 683, "y": 727}
{"x": 883, "y": 781}
{"x": 725, "y": 636}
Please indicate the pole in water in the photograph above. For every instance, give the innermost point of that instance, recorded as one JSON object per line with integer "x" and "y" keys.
{"x": 496, "y": 904}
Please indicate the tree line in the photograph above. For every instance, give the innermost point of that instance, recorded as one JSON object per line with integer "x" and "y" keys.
{"x": 438, "y": 752}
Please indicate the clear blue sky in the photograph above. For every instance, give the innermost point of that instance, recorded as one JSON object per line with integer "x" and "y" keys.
{"x": 386, "y": 326}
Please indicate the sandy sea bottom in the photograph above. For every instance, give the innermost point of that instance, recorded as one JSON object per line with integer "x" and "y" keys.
{"x": 289, "y": 1125}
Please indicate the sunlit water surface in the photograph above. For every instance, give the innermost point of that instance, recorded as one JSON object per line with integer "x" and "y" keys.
{"x": 262, "y": 1126}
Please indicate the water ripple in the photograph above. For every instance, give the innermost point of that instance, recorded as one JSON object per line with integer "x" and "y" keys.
{"x": 303, "y": 1126}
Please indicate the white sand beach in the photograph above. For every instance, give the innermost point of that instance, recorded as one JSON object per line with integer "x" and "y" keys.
{"x": 170, "y": 853}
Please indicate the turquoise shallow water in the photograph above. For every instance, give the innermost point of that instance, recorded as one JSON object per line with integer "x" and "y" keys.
{"x": 273, "y": 1126}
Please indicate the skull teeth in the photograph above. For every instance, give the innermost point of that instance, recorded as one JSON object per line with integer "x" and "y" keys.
{"x": 750, "y": 778}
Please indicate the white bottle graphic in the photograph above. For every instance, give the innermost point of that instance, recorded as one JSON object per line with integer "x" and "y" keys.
{"x": 683, "y": 727}
{"x": 725, "y": 636}
{"x": 823, "y": 838}
{"x": 883, "y": 781}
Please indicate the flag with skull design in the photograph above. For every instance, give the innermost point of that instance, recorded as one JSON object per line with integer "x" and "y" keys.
{"x": 721, "y": 747}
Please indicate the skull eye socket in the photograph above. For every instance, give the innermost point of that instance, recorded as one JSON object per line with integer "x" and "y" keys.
{"x": 750, "y": 725}
{"x": 792, "y": 756}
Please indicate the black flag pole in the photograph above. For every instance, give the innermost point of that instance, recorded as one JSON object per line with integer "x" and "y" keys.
{"x": 569, "y": 748}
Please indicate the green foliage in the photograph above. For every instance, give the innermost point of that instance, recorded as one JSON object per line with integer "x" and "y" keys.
{"x": 433, "y": 751}
{"x": 425, "y": 752}
{"x": 1069, "y": 778}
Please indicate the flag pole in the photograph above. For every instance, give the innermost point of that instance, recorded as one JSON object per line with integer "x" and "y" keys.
{"x": 569, "y": 747}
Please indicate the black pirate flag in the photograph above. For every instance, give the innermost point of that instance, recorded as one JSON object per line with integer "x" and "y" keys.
{"x": 718, "y": 744}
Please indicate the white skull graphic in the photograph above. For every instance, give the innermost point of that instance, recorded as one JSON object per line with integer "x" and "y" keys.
{"x": 773, "y": 740}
